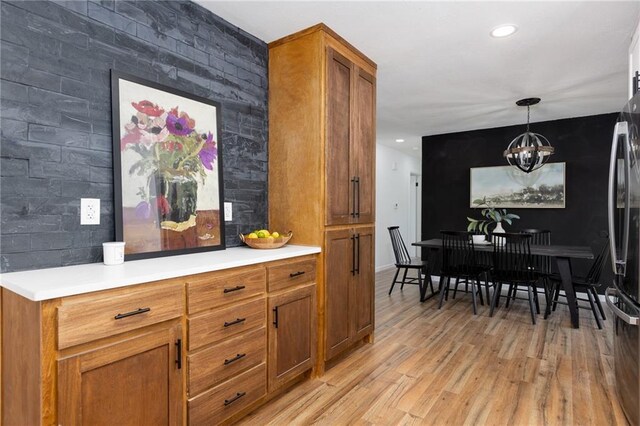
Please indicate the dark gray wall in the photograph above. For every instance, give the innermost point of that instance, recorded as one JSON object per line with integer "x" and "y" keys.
{"x": 583, "y": 143}
{"x": 56, "y": 114}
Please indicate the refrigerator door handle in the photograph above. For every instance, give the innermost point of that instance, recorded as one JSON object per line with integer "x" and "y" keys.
{"x": 621, "y": 128}
{"x": 609, "y": 294}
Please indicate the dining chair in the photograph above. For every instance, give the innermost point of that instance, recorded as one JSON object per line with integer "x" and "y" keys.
{"x": 513, "y": 265}
{"x": 587, "y": 284}
{"x": 405, "y": 262}
{"x": 459, "y": 262}
{"x": 541, "y": 264}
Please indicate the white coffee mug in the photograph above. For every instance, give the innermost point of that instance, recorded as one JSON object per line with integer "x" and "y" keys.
{"x": 113, "y": 253}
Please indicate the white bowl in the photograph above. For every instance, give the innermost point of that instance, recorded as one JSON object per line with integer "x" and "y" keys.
{"x": 478, "y": 239}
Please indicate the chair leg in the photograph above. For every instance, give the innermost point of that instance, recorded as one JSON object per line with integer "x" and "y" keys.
{"x": 535, "y": 299}
{"x": 547, "y": 299}
{"x": 556, "y": 296}
{"x": 394, "y": 280}
{"x": 404, "y": 278}
{"x": 473, "y": 297}
{"x": 486, "y": 287}
{"x": 509, "y": 294}
{"x": 531, "y": 304}
{"x": 479, "y": 290}
{"x": 593, "y": 309}
{"x": 497, "y": 292}
{"x": 455, "y": 290}
{"x": 423, "y": 290}
{"x": 443, "y": 290}
{"x": 431, "y": 284}
{"x": 597, "y": 299}
{"x": 494, "y": 300}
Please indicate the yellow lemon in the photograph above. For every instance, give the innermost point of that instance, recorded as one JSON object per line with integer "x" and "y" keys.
{"x": 261, "y": 234}
{"x": 270, "y": 239}
{"x": 275, "y": 234}
{"x": 252, "y": 235}
{"x": 265, "y": 231}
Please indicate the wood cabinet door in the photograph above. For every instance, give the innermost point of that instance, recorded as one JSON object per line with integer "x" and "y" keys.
{"x": 363, "y": 287}
{"x": 339, "y": 265}
{"x": 339, "y": 185}
{"x": 363, "y": 146}
{"x": 292, "y": 334}
{"x": 134, "y": 382}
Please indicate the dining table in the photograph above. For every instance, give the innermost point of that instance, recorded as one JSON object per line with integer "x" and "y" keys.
{"x": 561, "y": 253}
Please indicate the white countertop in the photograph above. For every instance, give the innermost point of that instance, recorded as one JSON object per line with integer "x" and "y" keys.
{"x": 44, "y": 284}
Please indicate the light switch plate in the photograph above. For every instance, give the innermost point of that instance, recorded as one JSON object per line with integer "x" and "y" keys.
{"x": 228, "y": 212}
{"x": 89, "y": 211}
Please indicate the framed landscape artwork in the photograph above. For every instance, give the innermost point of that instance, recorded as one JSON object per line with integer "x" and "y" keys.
{"x": 509, "y": 187}
{"x": 167, "y": 169}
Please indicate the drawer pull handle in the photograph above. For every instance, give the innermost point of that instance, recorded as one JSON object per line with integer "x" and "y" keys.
{"x": 237, "y": 321}
{"x": 234, "y": 359}
{"x": 296, "y": 274}
{"x": 236, "y": 288}
{"x": 132, "y": 313}
{"x": 234, "y": 399}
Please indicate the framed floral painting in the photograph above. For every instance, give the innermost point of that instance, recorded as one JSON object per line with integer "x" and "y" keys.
{"x": 167, "y": 169}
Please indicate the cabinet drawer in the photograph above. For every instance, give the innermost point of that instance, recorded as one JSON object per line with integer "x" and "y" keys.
{"x": 231, "y": 321}
{"x": 218, "y": 363}
{"x": 215, "y": 289}
{"x": 290, "y": 274}
{"x": 225, "y": 400}
{"x": 92, "y": 317}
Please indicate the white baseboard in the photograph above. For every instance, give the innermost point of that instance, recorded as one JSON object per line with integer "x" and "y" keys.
{"x": 384, "y": 267}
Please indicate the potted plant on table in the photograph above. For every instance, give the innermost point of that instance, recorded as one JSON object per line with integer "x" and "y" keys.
{"x": 491, "y": 215}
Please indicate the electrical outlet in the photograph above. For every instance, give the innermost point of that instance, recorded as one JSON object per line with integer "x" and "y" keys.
{"x": 228, "y": 212}
{"x": 89, "y": 211}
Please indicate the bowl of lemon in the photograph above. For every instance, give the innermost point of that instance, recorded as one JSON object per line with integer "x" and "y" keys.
{"x": 263, "y": 239}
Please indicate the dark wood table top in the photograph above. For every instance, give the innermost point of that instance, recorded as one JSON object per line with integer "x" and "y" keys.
{"x": 574, "y": 252}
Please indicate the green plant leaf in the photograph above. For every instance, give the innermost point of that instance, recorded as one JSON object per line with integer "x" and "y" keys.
{"x": 497, "y": 216}
{"x": 470, "y": 226}
{"x": 471, "y": 220}
{"x": 506, "y": 219}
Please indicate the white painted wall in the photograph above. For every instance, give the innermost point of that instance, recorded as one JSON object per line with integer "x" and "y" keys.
{"x": 392, "y": 186}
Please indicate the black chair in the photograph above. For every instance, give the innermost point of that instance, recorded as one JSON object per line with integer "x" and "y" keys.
{"x": 459, "y": 262}
{"x": 513, "y": 265}
{"x": 541, "y": 264}
{"x": 587, "y": 284}
{"x": 404, "y": 262}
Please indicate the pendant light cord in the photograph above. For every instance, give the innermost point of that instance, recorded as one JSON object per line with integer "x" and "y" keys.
{"x": 528, "y": 115}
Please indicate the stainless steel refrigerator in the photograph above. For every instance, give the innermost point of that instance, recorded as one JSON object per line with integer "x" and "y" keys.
{"x": 623, "y": 296}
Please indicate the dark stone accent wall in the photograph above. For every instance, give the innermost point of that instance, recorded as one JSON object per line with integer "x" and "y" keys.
{"x": 583, "y": 143}
{"x": 56, "y": 114}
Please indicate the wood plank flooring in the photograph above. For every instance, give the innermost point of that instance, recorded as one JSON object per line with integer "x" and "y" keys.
{"x": 440, "y": 367}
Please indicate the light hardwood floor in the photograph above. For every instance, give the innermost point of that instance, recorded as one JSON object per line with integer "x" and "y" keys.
{"x": 430, "y": 366}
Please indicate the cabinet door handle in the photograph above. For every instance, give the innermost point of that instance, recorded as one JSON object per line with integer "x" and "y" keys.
{"x": 296, "y": 274}
{"x": 357, "y": 191}
{"x": 357, "y": 256}
{"x": 353, "y": 255}
{"x": 179, "y": 354}
{"x": 132, "y": 313}
{"x": 236, "y": 288}
{"x": 353, "y": 196}
{"x": 234, "y": 399}
{"x": 275, "y": 317}
{"x": 236, "y": 321}
{"x": 234, "y": 359}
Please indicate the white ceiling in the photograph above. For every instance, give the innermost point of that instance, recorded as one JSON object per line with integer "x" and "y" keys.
{"x": 439, "y": 71}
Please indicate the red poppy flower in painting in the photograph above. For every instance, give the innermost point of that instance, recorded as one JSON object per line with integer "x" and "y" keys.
{"x": 148, "y": 107}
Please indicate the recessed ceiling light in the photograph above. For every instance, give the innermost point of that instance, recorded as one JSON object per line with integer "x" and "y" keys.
{"x": 503, "y": 30}
{"x": 399, "y": 140}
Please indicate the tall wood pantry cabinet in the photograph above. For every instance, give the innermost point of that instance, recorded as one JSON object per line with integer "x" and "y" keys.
{"x": 322, "y": 102}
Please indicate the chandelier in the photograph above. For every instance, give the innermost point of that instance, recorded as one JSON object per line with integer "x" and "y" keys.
{"x": 528, "y": 151}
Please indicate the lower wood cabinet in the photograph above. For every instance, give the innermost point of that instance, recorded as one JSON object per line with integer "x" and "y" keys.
{"x": 124, "y": 356}
{"x": 292, "y": 340}
{"x": 349, "y": 282}
{"x": 137, "y": 381}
